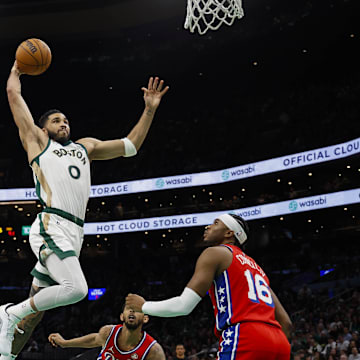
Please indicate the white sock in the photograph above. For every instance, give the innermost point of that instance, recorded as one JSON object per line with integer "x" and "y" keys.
{"x": 10, "y": 357}
{"x": 21, "y": 310}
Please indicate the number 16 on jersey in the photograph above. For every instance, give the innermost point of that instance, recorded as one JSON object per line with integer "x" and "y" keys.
{"x": 258, "y": 289}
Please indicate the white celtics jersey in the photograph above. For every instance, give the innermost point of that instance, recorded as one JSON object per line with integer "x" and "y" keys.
{"x": 62, "y": 177}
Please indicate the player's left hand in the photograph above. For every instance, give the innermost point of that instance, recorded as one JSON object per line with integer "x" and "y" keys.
{"x": 154, "y": 92}
{"x": 135, "y": 302}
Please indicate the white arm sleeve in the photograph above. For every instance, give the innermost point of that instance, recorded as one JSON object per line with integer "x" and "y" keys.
{"x": 176, "y": 306}
{"x": 130, "y": 149}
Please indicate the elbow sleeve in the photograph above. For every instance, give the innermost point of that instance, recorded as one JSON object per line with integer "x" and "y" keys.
{"x": 130, "y": 149}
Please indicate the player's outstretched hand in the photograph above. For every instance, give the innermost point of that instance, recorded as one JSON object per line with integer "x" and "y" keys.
{"x": 135, "y": 302}
{"x": 154, "y": 92}
{"x": 56, "y": 340}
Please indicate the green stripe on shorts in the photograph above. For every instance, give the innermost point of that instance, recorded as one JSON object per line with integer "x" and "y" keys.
{"x": 51, "y": 243}
{"x": 65, "y": 215}
{"x": 43, "y": 277}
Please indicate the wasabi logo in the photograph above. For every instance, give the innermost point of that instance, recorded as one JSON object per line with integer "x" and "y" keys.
{"x": 252, "y": 212}
{"x": 225, "y": 175}
{"x": 293, "y": 205}
{"x": 173, "y": 182}
{"x": 160, "y": 183}
{"x": 321, "y": 200}
{"x": 243, "y": 171}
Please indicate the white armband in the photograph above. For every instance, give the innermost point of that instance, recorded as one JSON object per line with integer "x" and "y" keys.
{"x": 130, "y": 149}
{"x": 176, "y": 306}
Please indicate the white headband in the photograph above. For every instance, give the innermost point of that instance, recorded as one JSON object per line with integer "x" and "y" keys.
{"x": 233, "y": 225}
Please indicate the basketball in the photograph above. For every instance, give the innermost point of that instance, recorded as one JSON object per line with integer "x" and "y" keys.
{"x": 33, "y": 57}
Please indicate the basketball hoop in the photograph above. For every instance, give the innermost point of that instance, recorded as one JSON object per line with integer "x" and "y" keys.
{"x": 204, "y": 15}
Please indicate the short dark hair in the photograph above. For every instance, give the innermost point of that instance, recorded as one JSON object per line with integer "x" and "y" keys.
{"x": 44, "y": 117}
{"x": 122, "y": 308}
{"x": 243, "y": 224}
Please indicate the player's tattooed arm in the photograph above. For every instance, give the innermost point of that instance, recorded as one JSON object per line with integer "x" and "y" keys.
{"x": 152, "y": 97}
{"x": 88, "y": 341}
{"x": 156, "y": 353}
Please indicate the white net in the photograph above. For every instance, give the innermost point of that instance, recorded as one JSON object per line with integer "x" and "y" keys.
{"x": 204, "y": 15}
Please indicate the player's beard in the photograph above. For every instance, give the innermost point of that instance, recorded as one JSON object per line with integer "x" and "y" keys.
{"x": 133, "y": 326}
{"x": 60, "y": 139}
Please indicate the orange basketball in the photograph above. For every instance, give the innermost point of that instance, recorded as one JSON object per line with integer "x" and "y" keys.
{"x": 33, "y": 57}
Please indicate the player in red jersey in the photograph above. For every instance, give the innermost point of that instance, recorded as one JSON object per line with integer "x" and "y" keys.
{"x": 251, "y": 323}
{"x": 119, "y": 342}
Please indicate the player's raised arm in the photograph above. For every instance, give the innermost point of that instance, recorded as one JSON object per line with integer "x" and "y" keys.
{"x": 110, "y": 149}
{"x": 30, "y": 134}
{"x": 152, "y": 97}
{"x": 88, "y": 341}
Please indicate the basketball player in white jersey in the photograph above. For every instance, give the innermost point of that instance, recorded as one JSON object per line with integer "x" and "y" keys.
{"x": 62, "y": 177}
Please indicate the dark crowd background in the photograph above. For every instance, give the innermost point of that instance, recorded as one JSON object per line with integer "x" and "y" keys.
{"x": 284, "y": 79}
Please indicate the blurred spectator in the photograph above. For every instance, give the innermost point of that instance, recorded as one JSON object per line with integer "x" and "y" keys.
{"x": 329, "y": 346}
{"x": 354, "y": 354}
{"x": 314, "y": 347}
{"x": 180, "y": 352}
{"x": 342, "y": 344}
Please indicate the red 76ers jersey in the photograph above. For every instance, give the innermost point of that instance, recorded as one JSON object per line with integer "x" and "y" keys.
{"x": 110, "y": 351}
{"x": 241, "y": 294}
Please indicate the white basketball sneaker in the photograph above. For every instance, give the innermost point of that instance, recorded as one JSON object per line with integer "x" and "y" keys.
{"x": 7, "y": 326}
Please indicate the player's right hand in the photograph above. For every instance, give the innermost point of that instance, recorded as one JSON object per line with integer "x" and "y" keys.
{"x": 56, "y": 340}
{"x": 15, "y": 69}
{"x": 134, "y": 302}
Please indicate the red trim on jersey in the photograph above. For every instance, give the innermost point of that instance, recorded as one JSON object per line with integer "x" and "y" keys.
{"x": 111, "y": 351}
